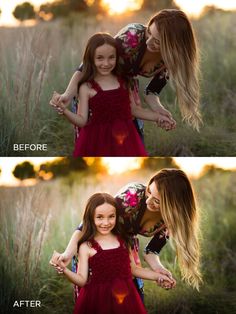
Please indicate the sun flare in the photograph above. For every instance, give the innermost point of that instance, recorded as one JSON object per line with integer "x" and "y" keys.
{"x": 121, "y": 6}
{"x": 121, "y": 164}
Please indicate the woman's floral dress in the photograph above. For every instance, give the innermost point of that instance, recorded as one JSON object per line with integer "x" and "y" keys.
{"x": 131, "y": 42}
{"x": 132, "y": 205}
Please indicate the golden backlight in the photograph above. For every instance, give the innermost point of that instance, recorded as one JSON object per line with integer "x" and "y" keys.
{"x": 121, "y": 6}
{"x": 117, "y": 165}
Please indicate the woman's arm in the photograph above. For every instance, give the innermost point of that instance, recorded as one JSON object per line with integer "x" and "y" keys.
{"x": 154, "y": 262}
{"x": 81, "y": 277}
{"x": 71, "y": 250}
{"x": 70, "y": 92}
{"x": 154, "y": 103}
{"x": 80, "y": 119}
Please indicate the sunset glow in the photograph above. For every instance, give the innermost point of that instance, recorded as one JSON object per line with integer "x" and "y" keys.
{"x": 114, "y": 7}
{"x": 121, "y": 164}
{"x": 121, "y": 6}
{"x": 115, "y": 166}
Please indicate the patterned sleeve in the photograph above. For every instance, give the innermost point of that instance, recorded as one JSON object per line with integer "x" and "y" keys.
{"x": 156, "y": 85}
{"x": 129, "y": 200}
{"x": 80, "y": 226}
{"x": 157, "y": 242}
{"x": 130, "y": 42}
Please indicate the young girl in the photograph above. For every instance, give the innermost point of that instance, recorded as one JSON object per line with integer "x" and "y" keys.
{"x": 105, "y": 110}
{"x": 105, "y": 271}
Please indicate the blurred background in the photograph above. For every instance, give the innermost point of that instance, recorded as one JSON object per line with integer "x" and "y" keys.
{"x": 42, "y": 202}
{"x": 42, "y": 44}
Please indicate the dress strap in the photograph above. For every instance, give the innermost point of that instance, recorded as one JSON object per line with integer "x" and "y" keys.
{"x": 95, "y": 245}
{"x": 95, "y": 85}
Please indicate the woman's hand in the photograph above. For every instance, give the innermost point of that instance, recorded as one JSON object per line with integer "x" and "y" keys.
{"x": 59, "y": 261}
{"x": 165, "y": 279}
{"x": 166, "y": 123}
{"x": 60, "y": 102}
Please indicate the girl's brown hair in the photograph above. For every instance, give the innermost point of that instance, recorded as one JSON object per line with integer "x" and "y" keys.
{"x": 89, "y": 69}
{"x": 89, "y": 229}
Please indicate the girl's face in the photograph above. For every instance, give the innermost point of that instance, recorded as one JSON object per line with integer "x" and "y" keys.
{"x": 105, "y": 218}
{"x": 153, "y": 198}
{"x": 105, "y": 59}
{"x": 153, "y": 38}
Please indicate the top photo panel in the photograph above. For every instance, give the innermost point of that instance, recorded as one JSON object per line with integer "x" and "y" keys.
{"x": 127, "y": 78}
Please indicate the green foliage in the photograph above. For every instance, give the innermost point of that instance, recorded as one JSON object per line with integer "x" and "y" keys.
{"x": 24, "y": 11}
{"x": 63, "y": 166}
{"x": 24, "y": 171}
{"x": 157, "y": 163}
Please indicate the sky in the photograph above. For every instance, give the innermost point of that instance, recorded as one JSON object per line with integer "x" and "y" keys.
{"x": 191, "y": 165}
{"x": 190, "y": 6}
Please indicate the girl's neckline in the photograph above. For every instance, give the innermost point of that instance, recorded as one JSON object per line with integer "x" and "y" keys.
{"x": 107, "y": 90}
{"x": 99, "y": 245}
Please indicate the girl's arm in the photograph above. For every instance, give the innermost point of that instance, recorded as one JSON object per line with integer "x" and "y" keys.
{"x": 164, "y": 121}
{"x": 80, "y": 278}
{"x": 80, "y": 119}
{"x": 146, "y": 273}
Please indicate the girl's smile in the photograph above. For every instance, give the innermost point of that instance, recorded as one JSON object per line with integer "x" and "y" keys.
{"x": 105, "y": 218}
{"x": 105, "y": 59}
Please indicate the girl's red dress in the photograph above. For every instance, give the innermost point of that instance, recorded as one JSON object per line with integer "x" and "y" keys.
{"x": 110, "y": 130}
{"x": 110, "y": 289}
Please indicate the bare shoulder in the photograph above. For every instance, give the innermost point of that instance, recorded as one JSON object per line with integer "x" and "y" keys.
{"x": 86, "y": 89}
{"x": 85, "y": 249}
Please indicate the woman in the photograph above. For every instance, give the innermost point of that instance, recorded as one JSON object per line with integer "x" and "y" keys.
{"x": 165, "y": 208}
{"x": 163, "y": 50}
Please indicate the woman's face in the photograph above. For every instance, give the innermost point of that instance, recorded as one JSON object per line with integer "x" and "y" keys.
{"x": 153, "y": 38}
{"x": 153, "y": 198}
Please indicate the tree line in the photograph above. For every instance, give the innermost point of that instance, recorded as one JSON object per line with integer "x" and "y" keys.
{"x": 62, "y": 8}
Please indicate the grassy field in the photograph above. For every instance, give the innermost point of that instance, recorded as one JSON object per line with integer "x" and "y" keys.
{"x": 38, "y": 60}
{"x": 36, "y": 220}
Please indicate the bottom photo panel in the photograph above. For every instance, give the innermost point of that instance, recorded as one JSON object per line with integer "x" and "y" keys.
{"x": 118, "y": 235}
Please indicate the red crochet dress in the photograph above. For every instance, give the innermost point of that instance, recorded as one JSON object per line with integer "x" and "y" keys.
{"x": 110, "y": 130}
{"x": 110, "y": 289}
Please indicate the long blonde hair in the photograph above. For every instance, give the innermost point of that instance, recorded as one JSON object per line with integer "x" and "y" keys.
{"x": 179, "y": 52}
{"x": 178, "y": 210}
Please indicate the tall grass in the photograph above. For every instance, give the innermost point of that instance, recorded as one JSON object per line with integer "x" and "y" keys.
{"x": 36, "y": 220}
{"x": 41, "y": 59}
